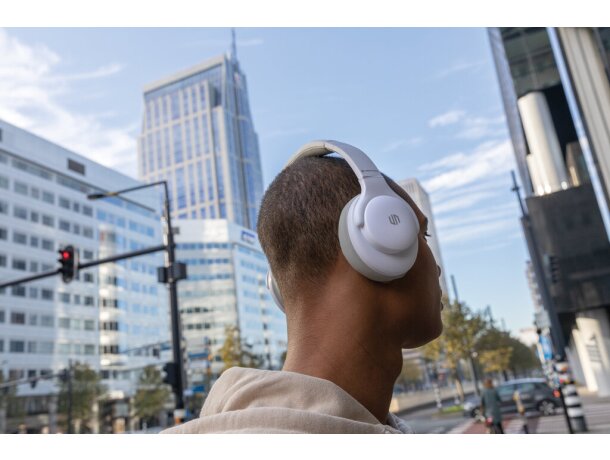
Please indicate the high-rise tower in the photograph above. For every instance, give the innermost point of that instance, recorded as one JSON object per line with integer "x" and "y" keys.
{"x": 197, "y": 133}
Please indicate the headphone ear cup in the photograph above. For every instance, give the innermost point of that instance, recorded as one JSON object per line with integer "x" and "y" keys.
{"x": 274, "y": 291}
{"x": 347, "y": 246}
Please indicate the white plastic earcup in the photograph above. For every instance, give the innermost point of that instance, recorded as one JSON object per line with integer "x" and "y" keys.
{"x": 274, "y": 291}
{"x": 380, "y": 260}
{"x": 390, "y": 224}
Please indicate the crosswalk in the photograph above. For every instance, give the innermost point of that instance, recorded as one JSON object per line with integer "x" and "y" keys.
{"x": 597, "y": 415}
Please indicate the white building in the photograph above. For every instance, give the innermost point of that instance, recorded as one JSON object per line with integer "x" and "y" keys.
{"x": 420, "y": 196}
{"x": 225, "y": 287}
{"x": 111, "y": 308}
{"x": 198, "y": 134}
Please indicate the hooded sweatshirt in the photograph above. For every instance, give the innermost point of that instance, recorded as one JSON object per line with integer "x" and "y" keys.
{"x": 259, "y": 401}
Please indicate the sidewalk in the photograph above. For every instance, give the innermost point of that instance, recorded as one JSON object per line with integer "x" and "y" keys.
{"x": 597, "y": 415}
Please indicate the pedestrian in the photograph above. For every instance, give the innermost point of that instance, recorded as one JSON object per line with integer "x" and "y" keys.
{"x": 521, "y": 411}
{"x": 353, "y": 273}
{"x": 491, "y": 406}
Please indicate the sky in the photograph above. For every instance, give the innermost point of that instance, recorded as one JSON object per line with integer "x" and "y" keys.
{"x": 422, "y": 102}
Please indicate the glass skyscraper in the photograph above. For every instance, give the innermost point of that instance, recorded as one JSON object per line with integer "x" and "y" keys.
{"x": 197, "y": 133}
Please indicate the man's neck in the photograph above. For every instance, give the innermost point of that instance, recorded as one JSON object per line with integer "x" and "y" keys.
{"x": 351, "y": 354}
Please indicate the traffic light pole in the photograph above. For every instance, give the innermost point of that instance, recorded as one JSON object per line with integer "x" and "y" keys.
{"x": 82, "y": 266}
{"x": 173, "y": 304}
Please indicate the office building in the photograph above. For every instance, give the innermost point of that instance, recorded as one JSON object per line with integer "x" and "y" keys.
{"x": 555, "y": 88}
{"x": 225, "y": 287}
{"x": 198, "y": 134}
{"x": 420, "y": 196}
{"x": 110, "y": 309}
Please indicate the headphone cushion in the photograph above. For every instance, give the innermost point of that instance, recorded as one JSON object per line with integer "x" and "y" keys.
{"x": 349, "y": 251}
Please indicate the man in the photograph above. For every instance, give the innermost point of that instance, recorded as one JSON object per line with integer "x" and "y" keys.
{"x": 345, "y": 332}
{"x": 491, "y": 406}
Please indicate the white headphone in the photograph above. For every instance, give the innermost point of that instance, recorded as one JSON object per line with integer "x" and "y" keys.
{"x": 378, "y": 229}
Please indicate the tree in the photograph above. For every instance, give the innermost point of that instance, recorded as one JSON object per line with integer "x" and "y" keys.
{"x": 86, "y": 389}
{"x": 462, "y": 329}
{"x": 233, "y": 353}
{"x": 151, "y": 395}
{"x": 497, "y": 360}
{"x": 410, "y": 373}
{"x": 8, "y": 400}
{"x": 494, "y": 356}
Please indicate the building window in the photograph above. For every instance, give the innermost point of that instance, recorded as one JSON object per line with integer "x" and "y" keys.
{"x": 18, "y": 291}
{"x": 89, "y": 301}
{"x": 17, "y": 318}
{"x": 48, "y": 221}
{"x": 33, "y": 321}
{"x": 47, "y": 245}
{"x": 20, "y": 238}
{"x": 87, "y": 210}
{"x": 3, "y": 207}
{"x": 46, "y": 321}
{"x": 3, "y": 233}
{"x": 48, "y": 197}
{"x": 64, "y": 297}
{"x": 46, "y": 294}
{"x": 19, "y": 264}
{"x": 20, "y": 213}
{"x": 4, "y": 182}
{"x": 76, "y": 167}
{"x": 2, "y": 316}
{"x": 63, "y": 323}
{"x": 21, "y": 188}
{"x": 34, "y": 216}
{"x": 88, "y": 232}
{"x": 16, "y": 346}
{"x": 64, "y": 225}
{"x": 64, "y": 202}
{"x": 2, "y": 260}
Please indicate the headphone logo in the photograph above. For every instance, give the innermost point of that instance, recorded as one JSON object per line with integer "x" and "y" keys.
{"x": 394, "y": 219}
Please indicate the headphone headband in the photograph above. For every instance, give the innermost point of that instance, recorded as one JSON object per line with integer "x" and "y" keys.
{"x": 372, "y": 182}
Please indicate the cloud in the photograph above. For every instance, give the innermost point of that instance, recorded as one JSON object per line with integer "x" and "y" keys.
{"x": 468, "y": 191}
{"x": 488, "y": 160}
{"x": 33, "y": 95}
{"x": 401, "y": 143}
{"x": 460, "y": 67}
{"x": 447, "y": 118}
{"x": 480, "y": 127}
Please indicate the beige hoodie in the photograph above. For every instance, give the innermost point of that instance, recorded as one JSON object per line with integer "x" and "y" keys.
{"x": 259, "y": 401}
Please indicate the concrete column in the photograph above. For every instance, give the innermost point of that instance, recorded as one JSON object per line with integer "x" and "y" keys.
{"x": 545, "y": 152}
{"x": 575, "y": 365}
{"x": 595, "y": 334}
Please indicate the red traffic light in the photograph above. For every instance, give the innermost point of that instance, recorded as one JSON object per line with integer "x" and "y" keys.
{"x": 65, "y": 255}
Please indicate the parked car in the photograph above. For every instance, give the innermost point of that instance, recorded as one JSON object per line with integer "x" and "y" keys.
{"x": 536, "y": 395}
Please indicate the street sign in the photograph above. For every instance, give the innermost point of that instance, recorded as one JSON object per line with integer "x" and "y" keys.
{"x": 547, "y": 349}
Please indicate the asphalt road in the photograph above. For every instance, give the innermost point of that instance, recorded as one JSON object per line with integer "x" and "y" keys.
{"x": 429, "y": 421}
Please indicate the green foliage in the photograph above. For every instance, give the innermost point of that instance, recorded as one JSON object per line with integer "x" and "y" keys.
{"x": 86, "y": 389}
{"x": 151, "y": 394}
{"x": 410, "y": 372}
{"x": 234, "y": 354}
{"x": 497, "y": 360}
{"x": 7, "y": 395}
{"x": 494, "y": 356}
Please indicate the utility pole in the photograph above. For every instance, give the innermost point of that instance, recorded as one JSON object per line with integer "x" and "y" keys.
{"x": 70, "y": 397}
{"x": 455, "y": 291}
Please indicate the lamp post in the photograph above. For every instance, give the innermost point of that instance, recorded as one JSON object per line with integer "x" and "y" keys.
{"x": 172, "y": 273}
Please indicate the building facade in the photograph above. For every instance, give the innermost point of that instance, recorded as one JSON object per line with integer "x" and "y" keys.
{"x": 422, "y": 200}
{"x": 108, "y": 310}
{"x": 225, "y": 287}
{"x": 556, "y": 94}
{"x": 197, "y": 133}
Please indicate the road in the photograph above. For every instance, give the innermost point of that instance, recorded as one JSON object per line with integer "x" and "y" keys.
{"x": 429, "y": 421}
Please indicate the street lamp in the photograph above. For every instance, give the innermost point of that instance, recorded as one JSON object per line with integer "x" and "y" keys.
{"x": 171, "y": 274}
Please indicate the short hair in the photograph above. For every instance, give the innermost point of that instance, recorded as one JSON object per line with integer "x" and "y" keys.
{"x": 299, "y": 217}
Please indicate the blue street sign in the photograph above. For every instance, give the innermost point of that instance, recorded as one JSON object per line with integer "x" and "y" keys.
{"x": 547, "y": 349}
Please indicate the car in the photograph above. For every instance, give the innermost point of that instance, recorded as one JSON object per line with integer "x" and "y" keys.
{"x": 536, "y": 395}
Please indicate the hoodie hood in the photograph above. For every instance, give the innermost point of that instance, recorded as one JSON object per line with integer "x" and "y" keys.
{"x": 259, "y": 401}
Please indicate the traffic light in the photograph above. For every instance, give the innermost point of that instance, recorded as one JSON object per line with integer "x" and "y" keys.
{"x": 169, "y": 376}
{"x": 68, "y": 263}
